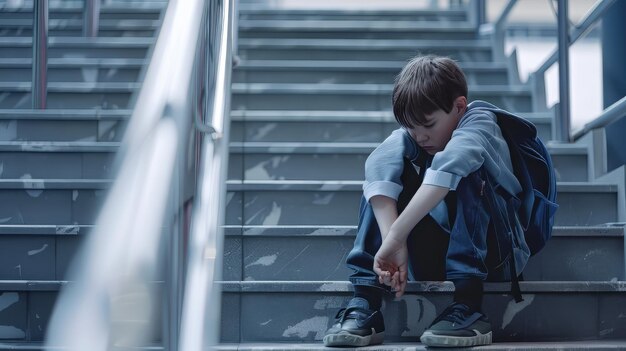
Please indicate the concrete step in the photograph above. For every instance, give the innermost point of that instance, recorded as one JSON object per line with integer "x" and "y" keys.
{"x": 362, "y": 49}
{"x": 38, "y": 346}
{"x": 59, "y": 202}
{"x": 317, "y": 203}
{"x": 75, "y": 47}
{"x": 351, "y": 72}
{"x": 392, "y": 346}
{"x": 28, "y": 306}
{"x": 75, "y": 70}
{"x": 28, "y": 309}
{"x": 332, "y": 126}
{"x": 62, "y": 95}
{"x": 256, "y": 12}
{"x": 62, "y": 125}
{"x": 70, "y": 160}
{"x": 360, "y": 97}
{"x": 74, "y": 27}
{"x": 285, "y": 253}
{"x": 551, "y": 311}
{"x": 353, "y": 29}
{"x": 39, "y": 252}
{"x": 65, "y": 10}
{"x": 346, "y": 161}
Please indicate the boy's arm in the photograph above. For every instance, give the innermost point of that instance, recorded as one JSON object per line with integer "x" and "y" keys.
{"x": 385, "y": 211}
{"x": 391, "y": 260}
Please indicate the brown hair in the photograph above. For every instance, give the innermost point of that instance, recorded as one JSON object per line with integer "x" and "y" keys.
{"x": 426, "y": 84}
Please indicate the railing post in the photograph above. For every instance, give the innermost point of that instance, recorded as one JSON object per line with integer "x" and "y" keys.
{"x": 91, "y": 18}
{"x": 563, "y": 119}
{"x": 40, "y": 54}
{"x": 235, "y": 30}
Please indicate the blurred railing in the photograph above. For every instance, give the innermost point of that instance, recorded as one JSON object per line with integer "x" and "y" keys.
{"x": 128, "y": 280}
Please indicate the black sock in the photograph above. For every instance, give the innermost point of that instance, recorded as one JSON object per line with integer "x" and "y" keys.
{"x": 469, "y": 291}
{"x": 374, "y": 296}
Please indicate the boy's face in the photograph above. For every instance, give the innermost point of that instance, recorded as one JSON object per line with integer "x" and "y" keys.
{"x": 434, "y": 135}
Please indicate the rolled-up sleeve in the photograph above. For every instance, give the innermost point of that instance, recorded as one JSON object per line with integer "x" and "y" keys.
{"x": 384, "y": 166}
{"x": 469, "y": 148}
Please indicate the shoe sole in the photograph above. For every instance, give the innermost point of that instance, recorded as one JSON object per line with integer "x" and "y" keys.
{"x": 430, "y": 339}
{"x": 344, "y": 338}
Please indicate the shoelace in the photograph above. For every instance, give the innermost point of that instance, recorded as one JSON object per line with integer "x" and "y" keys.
{"x": 455, "y": 313}
{"x": 344, "y": 313}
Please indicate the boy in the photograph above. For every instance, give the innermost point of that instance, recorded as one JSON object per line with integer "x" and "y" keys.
{"x": 424, "y": 207}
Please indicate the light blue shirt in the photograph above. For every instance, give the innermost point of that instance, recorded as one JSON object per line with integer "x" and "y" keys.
{"x": 476, "y": 141}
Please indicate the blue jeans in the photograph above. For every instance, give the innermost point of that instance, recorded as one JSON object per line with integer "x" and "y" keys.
{"x": 470, "y": 248}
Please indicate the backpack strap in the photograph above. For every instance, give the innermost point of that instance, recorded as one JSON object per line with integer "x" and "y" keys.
{"x": 504, "y": 226}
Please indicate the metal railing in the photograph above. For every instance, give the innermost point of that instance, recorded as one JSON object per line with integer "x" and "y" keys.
{"x": 202, "y": 297}
{"x": 116, "y": 279}
{"x": 40, "y": 54}
{"x": 39, "y": 89}
{"x": 608, "y": 116}
{"x": 566, "y": 38}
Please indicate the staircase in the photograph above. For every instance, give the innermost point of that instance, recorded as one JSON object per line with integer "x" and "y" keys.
{"x": 55, "y": 164}
{"x": 311, "y": 99}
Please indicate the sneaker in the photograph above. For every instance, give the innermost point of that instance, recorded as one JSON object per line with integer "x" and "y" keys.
{"x": 458, "y": 326}
{"x": 356, "y": 325}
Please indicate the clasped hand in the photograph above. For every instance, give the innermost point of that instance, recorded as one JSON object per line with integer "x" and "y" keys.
{"x": 391, "y": 264}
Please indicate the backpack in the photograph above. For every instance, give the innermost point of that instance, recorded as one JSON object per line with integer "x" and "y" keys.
{"x": 532, "y": 166}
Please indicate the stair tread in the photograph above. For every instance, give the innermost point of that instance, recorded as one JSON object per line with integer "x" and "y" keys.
{"x": 353, "y": 65}
{"x": 356, "y": 185}
{"x": 122, "y": 42}
{"x": 55, "y": 184}
{"x": 358, "y": 147}
{"x": 55, "y": 23}
{"x": 338, "y": 116}
{"x": 370, "y": 44}
{"x": 350, "y": 230}
{"x": 75, "y": 87}
{"x": 71, "y": 114}
{"x": 503, "y": 346}
{"x": 255, "y": 9}
{"x": 293, "y": 230}
{"x": 359, "y": 88}
{"x": 105, "y": 7}
{"x": 424, "y": 286}
{"x": 353, "y": 24}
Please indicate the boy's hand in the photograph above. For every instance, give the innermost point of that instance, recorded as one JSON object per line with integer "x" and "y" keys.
{"x": 391, "y": 265}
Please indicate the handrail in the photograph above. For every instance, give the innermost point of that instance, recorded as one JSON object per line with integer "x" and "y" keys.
{"x": 578, "y": 31}
{"x": 120, "y": 258}
{"x": 91, "y": 18}
{"x": 202, "y": 296}
{"x": 562, "y": 54}
{"x": 40, "y": 54}
{"x": 608, "y": 116}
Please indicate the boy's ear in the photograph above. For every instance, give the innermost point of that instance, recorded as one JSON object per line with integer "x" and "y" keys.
{"x": 460, "y": 104}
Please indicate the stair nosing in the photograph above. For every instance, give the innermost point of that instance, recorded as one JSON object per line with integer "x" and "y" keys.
{"x": 353, "y": 65}
{"x": 59, "y": 146}
{"x": 369, "y": 88}
{"x": 370, "y": 44}
{"x": 350, "y": 231}
{"x": 86, "y": 114}
{"x": 75, "y": 87}
{"x": 527, "y": 287}
{"x": 55, "y": 184}
{"x": 356, "y": 185}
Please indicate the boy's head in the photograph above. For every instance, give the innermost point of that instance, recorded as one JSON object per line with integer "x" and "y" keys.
{"x": 429, "y": 98}
{"x": 426, "y": 84}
